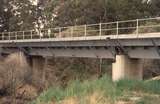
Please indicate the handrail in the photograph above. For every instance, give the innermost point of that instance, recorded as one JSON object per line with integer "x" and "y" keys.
{"x": 99, "y": 29}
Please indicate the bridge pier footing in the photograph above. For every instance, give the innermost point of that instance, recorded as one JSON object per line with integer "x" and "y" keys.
{"x": 124, "y": 67}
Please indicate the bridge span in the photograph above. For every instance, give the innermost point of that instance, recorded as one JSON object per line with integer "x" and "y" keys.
{"x": 126, "y": 42}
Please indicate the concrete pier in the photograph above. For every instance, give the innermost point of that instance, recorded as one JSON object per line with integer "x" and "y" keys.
{"x": 39, "y": 65}
{"x": 124, "y": 67}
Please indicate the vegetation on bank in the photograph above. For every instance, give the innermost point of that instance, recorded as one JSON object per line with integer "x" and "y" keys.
{"x": 103, "y": 91}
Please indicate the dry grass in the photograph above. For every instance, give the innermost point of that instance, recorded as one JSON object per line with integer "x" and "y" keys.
{"x": 27, "y": 92}
{"x": 95, "y": 98}
{"x": 70, "y": 101}
{"x": 13, "y": 71}
{"x": 156, "y": 78}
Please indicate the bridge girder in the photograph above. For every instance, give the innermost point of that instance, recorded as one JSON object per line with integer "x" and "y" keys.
{"x": 145, "y": 48}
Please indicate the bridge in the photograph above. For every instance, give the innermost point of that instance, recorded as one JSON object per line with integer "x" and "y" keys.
{"x": 126, "y": 42}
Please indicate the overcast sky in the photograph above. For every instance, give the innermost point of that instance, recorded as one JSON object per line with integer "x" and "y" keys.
{"x": 34, "y": 2}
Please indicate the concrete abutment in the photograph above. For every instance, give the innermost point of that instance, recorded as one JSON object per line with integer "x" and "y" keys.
{"x": 126, "y": 68}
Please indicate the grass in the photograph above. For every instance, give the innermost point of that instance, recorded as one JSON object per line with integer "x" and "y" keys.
{"x": 104, "y": 87}
{"x": 143, "y": 86}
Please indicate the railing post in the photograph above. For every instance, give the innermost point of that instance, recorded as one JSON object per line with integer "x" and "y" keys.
{"x": 117, "y": 30}
{"x": 49, "y": 33}
{"x": 72, "y": 31}
{"x": 31, "y": 35}
{"x": 23, "y": 35}
{"x": 9, "y": 37}
{"x": 40, "y": 37}
{"x": 2, "y": 36}
{"x": 85, "y": 30}
{"x": 137, "y": 31}
{"x": 16, "y": 35}
{"x": 100, "y": 29}
{"x": 59, "y": 32}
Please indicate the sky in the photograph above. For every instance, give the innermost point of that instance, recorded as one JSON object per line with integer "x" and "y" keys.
{"x": 34, "y": 2}
{"x": 146, "y": 1}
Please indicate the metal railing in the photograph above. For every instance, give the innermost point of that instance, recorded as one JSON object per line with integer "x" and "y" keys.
{"x": 128, "y": 27}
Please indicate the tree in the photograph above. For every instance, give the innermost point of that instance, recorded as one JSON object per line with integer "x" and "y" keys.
{"x": 75, "y": 12}
{"x": 156, "y": 7}
{"x": 5, "y": 15}
{"x": 23, "y": 15}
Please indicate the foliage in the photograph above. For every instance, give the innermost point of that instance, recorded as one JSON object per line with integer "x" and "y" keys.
{"x": 75, "y": 12}
{"x": 5, "y": 15}
{"x": 23, "y": 15}
{"x": 104, "y": 85}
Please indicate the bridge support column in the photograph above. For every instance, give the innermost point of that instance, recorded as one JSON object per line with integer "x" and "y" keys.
{"x": 125, "y": 67}
{"x": 38, "y": 68}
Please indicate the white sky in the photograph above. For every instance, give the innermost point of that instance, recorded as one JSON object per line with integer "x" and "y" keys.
{"x": 147, "y": 1}
{"x": 34, "y": 2}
